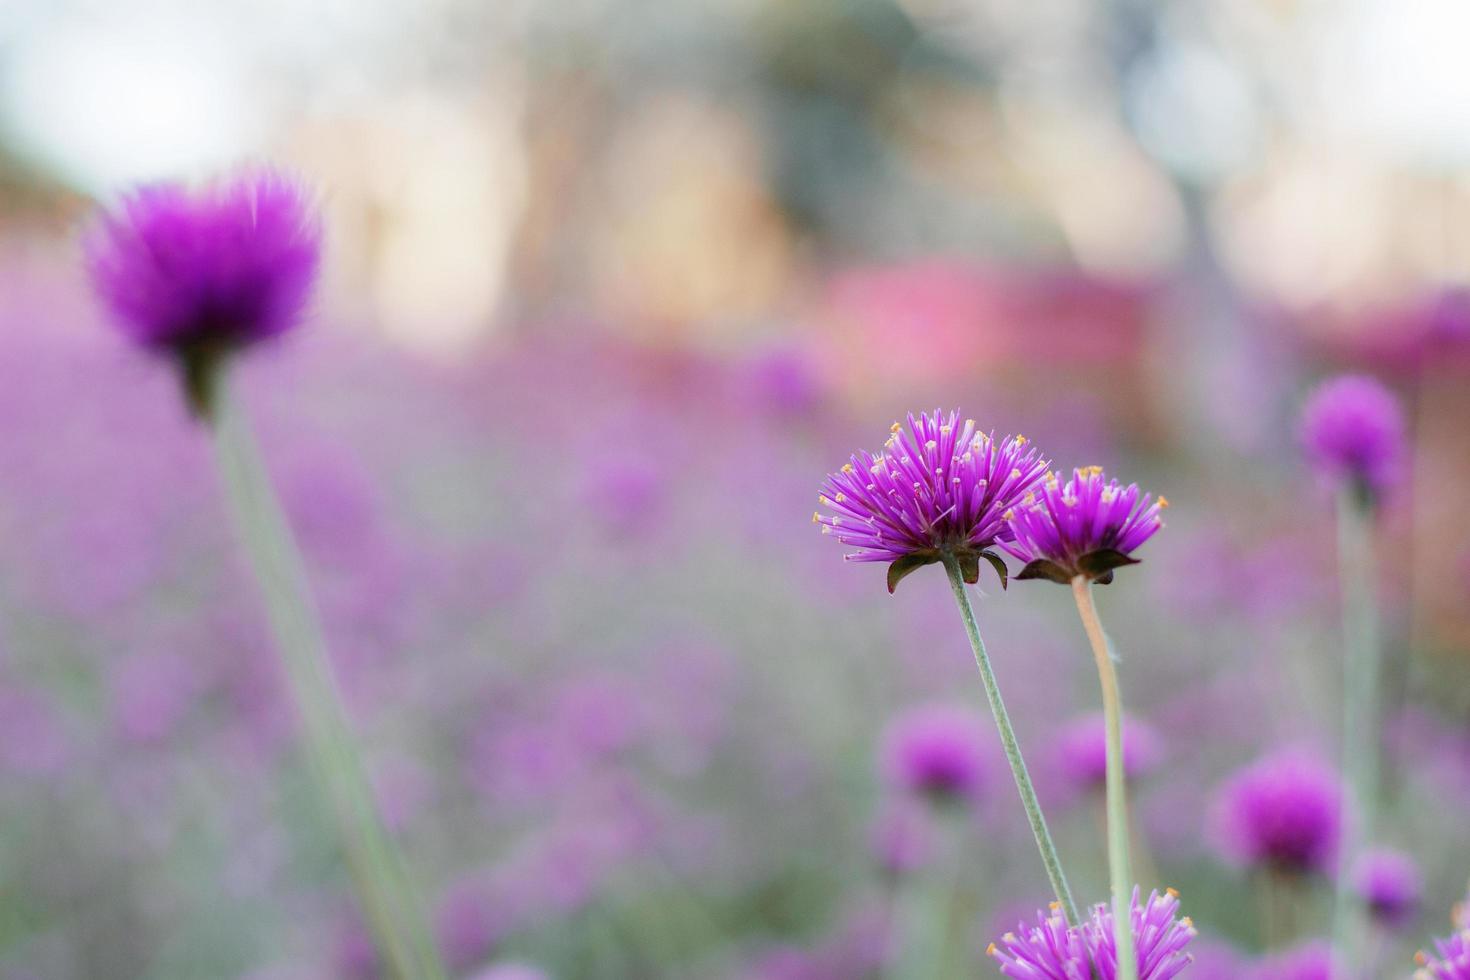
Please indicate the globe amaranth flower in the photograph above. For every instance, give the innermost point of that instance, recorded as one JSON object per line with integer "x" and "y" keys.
{"x": 1452, "y": 961}
{"x": 1352, "y": 428}
{"x": 939, "y": 487}
{"x": 199, "y": 274}
{"x": 935, "y": 751}
{"x": 1390, "y": 885}
{"x": 1052, "y": 950}
{"x": 1082, "y": 751}
{"x": 1087, "y": 526}
{"x": 1283, "y": 811}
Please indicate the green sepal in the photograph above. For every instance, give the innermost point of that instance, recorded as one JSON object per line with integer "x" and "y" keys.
{"x": 997, "y": 563}
{"x": 1098, "y": 565}
{"x": 1045, "y": 569}
{"x": 905, "y": 566}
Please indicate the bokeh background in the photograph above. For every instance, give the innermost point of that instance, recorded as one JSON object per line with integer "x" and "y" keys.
{"x": 611, "y": 286}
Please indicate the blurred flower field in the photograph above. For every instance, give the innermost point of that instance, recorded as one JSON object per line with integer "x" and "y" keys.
{"x": 596, "y": 318}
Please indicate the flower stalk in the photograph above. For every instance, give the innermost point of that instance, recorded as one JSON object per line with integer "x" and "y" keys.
{"x": 1360, "y": 711}
{"x": 1034, "y": 816}
{"x": 1119, "y": 867}
{"x": 379, "y": 877}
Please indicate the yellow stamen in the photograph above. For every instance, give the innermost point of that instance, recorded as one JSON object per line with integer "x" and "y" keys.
{"x": 1163, "y": 502}
{"x": 895, "y": 428}
{"x": 848, "y": 468}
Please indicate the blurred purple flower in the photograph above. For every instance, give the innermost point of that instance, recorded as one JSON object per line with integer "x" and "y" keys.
{"x": 1391, "y": 885}
{"x": 1452, "y": 961}
{"x": 1081, "y": 751}
{"x": 1310, "y": 961}
{"x": 511, "y": 971}
{"x": 32, "y": 741}
{"x": 468, "y": 922}
{"x": 1352, "y": 428}
{"x": 785, "y": 382}
{"x": 1215, "y": 961}
{"x": 1087, "y": 526}
{"x": 938, "y": 486}
{"x": 1284, "y": 811}
{"x": 902, "y": 838}
{"x": 199, "y": 274}
{"x": 935, "y": 751}
{"x": 151, "y": 693}
{"x": 1051, "y": 950}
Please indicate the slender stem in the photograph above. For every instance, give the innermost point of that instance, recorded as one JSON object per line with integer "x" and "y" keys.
{"x": 379, "y": 877}
{"x": 1119, "y": 871}
{"x": 1360, "y": 721}
{"x": 1012, "y": 748}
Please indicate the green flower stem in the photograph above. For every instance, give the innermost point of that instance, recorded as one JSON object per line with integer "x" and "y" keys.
{"x": 378, "y": 873}
{"x": 1119, "y": 871}
{"x": 1012, "y": 748}
{"x": 1360, "y": 711}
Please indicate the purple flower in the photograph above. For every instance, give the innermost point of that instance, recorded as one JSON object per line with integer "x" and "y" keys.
{"x": 1087, "y": 526}
{"x": 939, "y": 487}
{"x": 1353, "y": 430}
{"x": 1082, "y": 747}
{"x": 1051, "y": 950}
{"x": 1452, "y": 963}
{"x": 1390, "y": 885}
{"x": 935, "y": 751}
{"x": 1283, "y": 811}
{"x": 197, "y": 275}
{"x": 1310, "y": 961}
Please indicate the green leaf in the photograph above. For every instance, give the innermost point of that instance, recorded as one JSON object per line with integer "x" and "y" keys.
{"x": 1098, "y": 565}
{"x": 1042, "y": 568}
{"x": 997, "y": 563}
{"x": 905, "y": 566}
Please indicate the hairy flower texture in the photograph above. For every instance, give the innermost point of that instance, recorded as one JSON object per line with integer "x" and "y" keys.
{"x": 1051, "y": 950}
{"x": 1087, "y": 526}
{"x": 1283, "y": 811}
{"x": 938, "y": 487}
{"x": 198, "y": 274}
{"x": 1452, "y": 963}
{"x": 1353, "y": 430}
{"x": 1390, "y": 884}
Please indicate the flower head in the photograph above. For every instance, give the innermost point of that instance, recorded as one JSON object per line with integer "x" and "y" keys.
{"x": 938, "y": 487}
{"x": 935, "y": 751}
{"x": 1452, "y": 963}
{"x": 1087, "y": 526}
{"x": 1391, "y": 886}
{"x": 1051, "y": 950}
{"x": 1283, "y": 811}
{"x": 1353, "y": 430}
{"x": 198, "y": 274}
